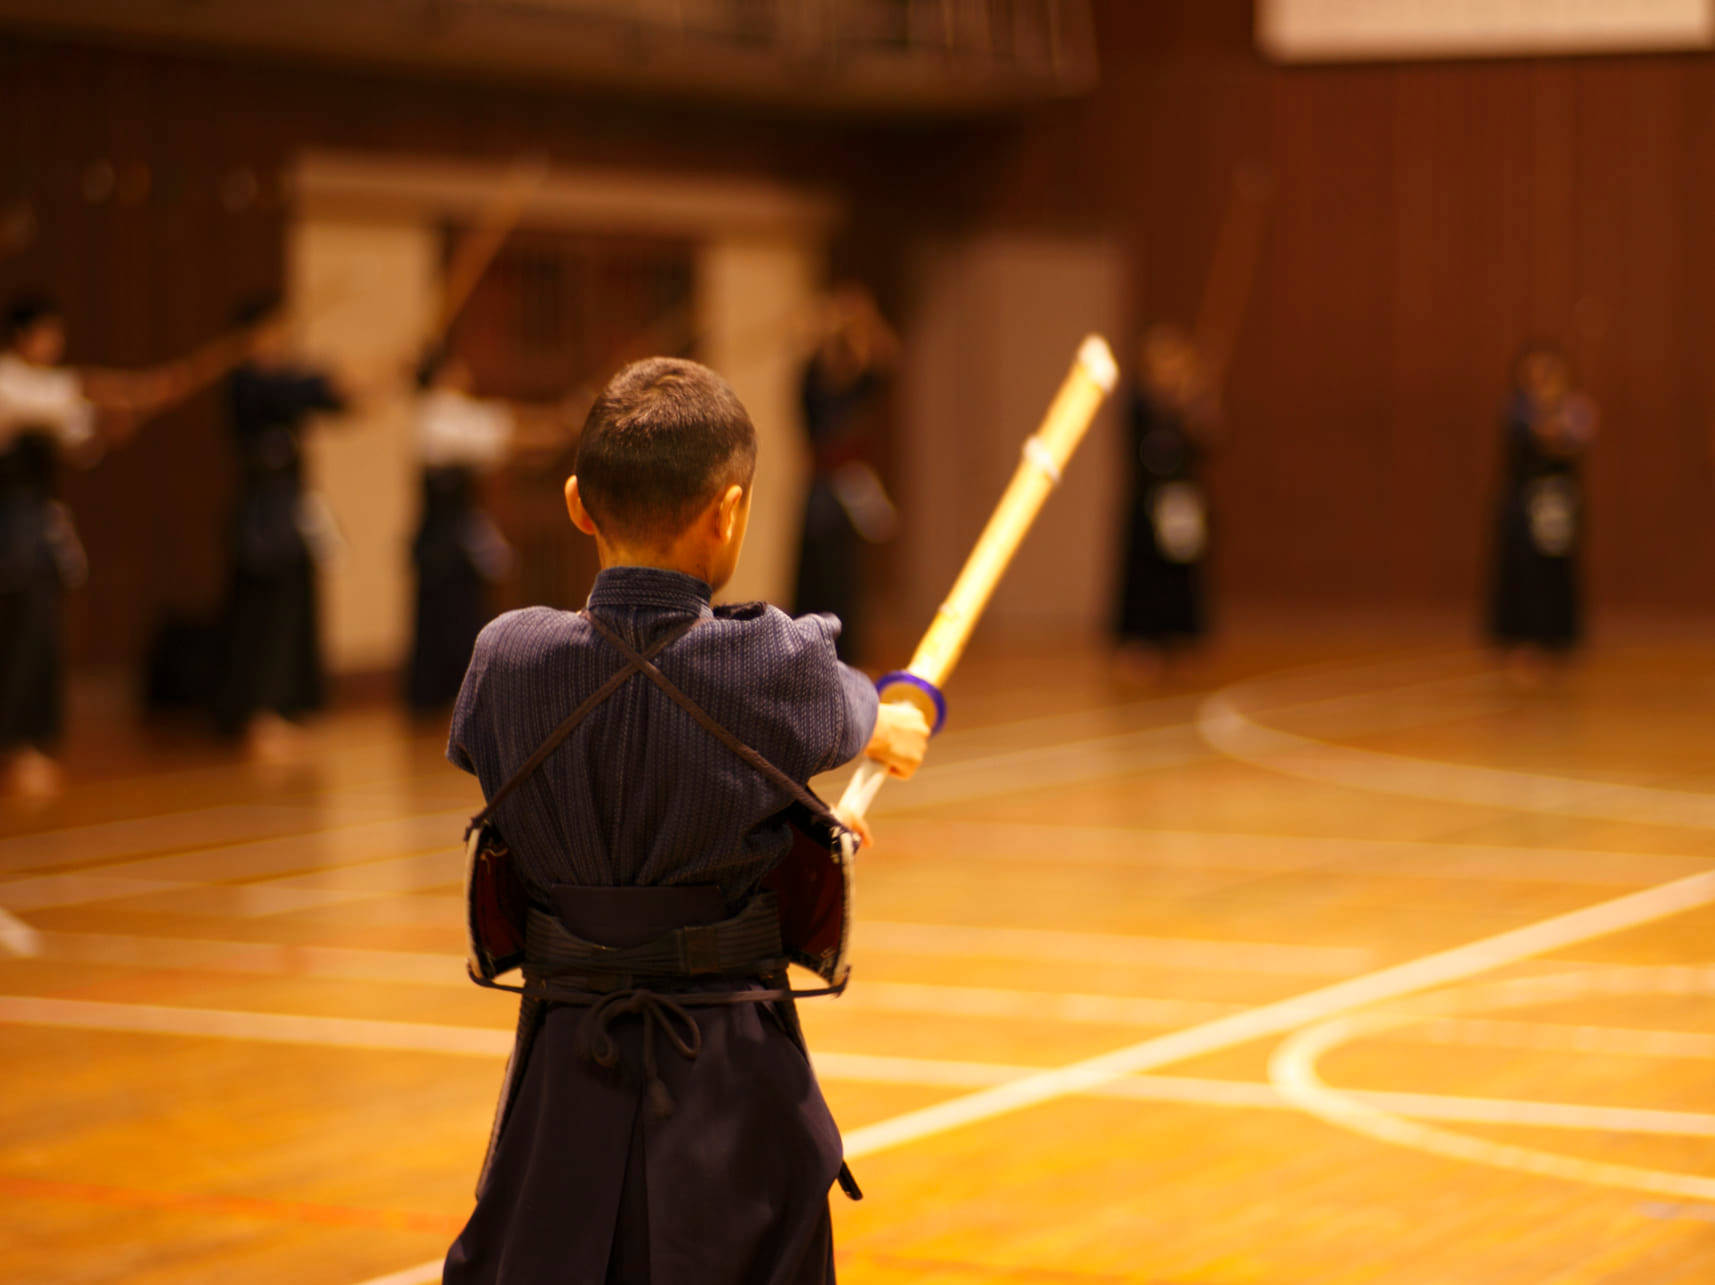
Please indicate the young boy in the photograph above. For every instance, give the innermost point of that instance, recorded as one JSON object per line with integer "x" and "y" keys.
{"x": 659, "y": 1124}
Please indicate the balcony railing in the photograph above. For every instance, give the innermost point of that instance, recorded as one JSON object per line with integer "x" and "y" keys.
{"x": 864, "y": 55}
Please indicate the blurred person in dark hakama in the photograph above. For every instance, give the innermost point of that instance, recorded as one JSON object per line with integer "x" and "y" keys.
{"x": 854, "y": 352}
{"x": 1174, "y": 419}
{"x": 459, "y": 554}
{"x": 280, "y": 534}
{"x": 1536, "y": 608}
{"x": 48, "y": 413}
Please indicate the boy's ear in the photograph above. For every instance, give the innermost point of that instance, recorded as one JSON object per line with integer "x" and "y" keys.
{"x": 580, "y": 516}
{"x": 727, "y": 511}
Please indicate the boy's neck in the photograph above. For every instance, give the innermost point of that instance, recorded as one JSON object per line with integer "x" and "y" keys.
{"x": 688, "y": 562}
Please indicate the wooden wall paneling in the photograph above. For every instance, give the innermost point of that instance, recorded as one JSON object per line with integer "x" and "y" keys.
{"x": 169, "y": 274}
{"x": 1634, "y": 233}
{"x": 1428, "y": 218}
{"x": 1691, "y": 426}
{"x": 1429, "y": 361}
{"x": 117, "y": 305}
{"x": 1303, "y": 506}
{"x": 1421, "y": 234}
{"x": 556, "y": 311}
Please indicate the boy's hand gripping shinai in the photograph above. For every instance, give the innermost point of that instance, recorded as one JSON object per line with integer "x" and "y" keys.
{"x": 899, "y": 738}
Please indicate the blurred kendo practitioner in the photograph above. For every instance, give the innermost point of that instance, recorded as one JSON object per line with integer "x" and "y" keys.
{"x": 280, "y": 533}
{"x": 1174, "y": 420}
{"x": 46, "y": 413}
{"x": 459, "y": 554}
{"x": 853, "y": 351}
{"x": 1536, "y": 608}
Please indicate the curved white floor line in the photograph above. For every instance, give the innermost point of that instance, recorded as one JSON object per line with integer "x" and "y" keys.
{"x": 1228, "y": 729}
{"x": 17, "y": 937}
{"x": 421, "y": 1274}
{"x": 1292, "y": 1070}
{"x": 1417, "y": 975}
{"x": 1422, "y": 974}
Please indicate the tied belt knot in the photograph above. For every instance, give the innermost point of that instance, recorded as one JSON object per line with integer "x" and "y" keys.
{"x": 659, "y": 1012}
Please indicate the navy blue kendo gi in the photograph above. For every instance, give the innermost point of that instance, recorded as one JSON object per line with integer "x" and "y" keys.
{"x": 585, "y": 1182}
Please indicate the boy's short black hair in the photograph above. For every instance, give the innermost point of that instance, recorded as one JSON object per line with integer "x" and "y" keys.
{"x": 27, "y": 310}
{"x": 664, "y": 438}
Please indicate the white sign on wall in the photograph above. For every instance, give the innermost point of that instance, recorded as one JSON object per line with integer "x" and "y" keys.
{"x": 1351, "y": 30}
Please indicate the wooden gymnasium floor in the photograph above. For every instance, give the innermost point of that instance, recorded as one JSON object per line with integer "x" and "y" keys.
{"x": 1341, "y": 962}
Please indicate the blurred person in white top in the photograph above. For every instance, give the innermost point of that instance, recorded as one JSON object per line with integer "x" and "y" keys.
{"x": 47, "y": 413}
{"x": 459, "y": 553}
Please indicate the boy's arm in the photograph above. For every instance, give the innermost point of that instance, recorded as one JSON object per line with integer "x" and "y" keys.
{"x": 895, "y": 735}
{"x": 466, "y": 726}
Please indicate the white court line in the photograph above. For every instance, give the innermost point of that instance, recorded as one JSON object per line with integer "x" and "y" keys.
{"x": 383, "y": 780}
{"x": 1048, "y": 766}
{"x": 995, "y": 738}
{"x": 489, "y": 1042}
{"x": 879, "y": 938}
{"x": 219, "y": 900}
{"x": 1403, "y": 979}
{"x": 103, "y": 842}
{"x": 272, "y": 1028}
{"x": 294, "y": 855}
{"x": 273, "y": 959}
{"x": 1292, "y": 1069}
{"x": 993, "y": 1002}
{"x": 17, "y": 936}
{"x": 446, "y": 971}
{"x": 1130, "y": 847}
{"x": 419, "y": 968}
{"x": 1420, "y": 974}
{"x": 1144, "y": 847}
{"x": 1209, "y": 954}
{"x": 1227, "y": 729}
{"x": 283, "y": 856}
{"x": 1033, "y": 1089}
{"x": 983, "y": 750}
{"x": 1247, "y": 1094}
{"x": 298, "y": 888}
{"x": 421, "y": 1274}
{"x": 167, "y": 830}
{"x": 1555, "y": 1037}
{"x": 1123, "y": 753}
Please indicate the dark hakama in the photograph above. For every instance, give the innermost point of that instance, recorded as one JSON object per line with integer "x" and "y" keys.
{"x": 452, "y": 591}
{"x": 586, "y": 1181}
{"x": 1161, "y": 599}
{"x": 458, "y": 553}
{"x": 273, "y": 646}
{"x": 830, "y": 552}
{"x": 587, "y": 1184}
{"x": 33, "y": 576}
{"x": 42, "y": 410}
{"x": 1535, "y": 595}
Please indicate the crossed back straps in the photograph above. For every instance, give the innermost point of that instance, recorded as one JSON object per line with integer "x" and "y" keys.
{"x": 642, "y": 662}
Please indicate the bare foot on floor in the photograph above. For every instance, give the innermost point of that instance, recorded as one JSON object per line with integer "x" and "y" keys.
{"x": 273, "y": 740}
{"x": 33, "y": 775}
